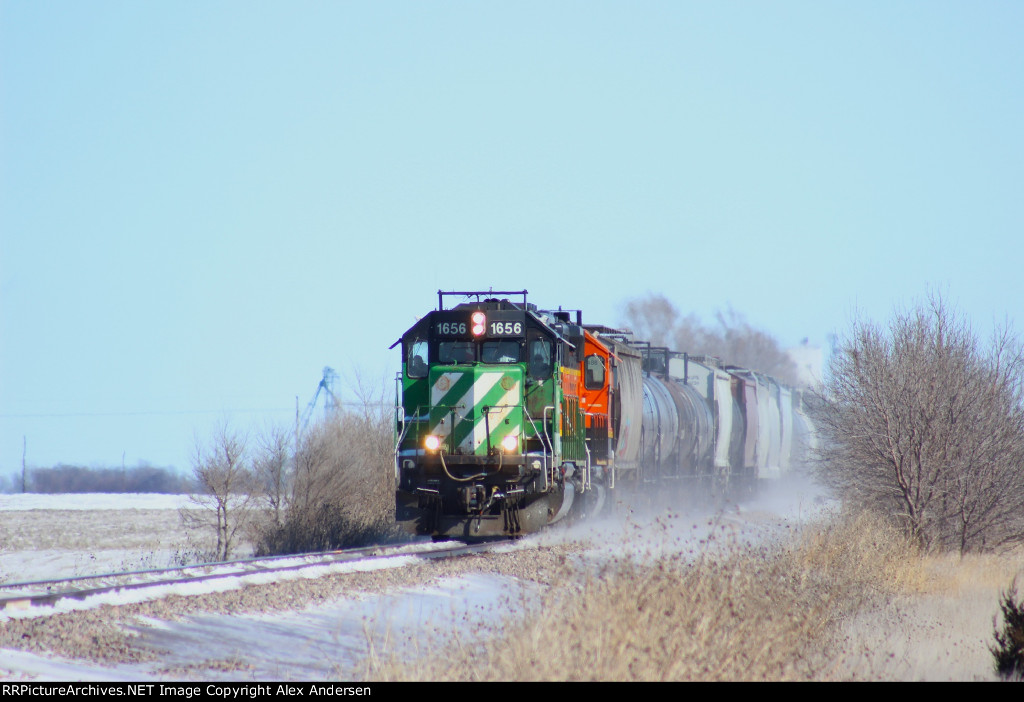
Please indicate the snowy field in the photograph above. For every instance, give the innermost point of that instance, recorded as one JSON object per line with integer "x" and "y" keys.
{"x": 91, "y": 501}
{"x": 323, "y": 642}
{"x": 46, "y": 536}
{"x": 55, "y": 536}
{"x": 89, "y": 534}
{"x": 305, "y": 629}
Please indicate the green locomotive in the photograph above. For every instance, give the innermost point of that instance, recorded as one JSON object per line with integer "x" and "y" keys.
{"x": 490, "y": 434}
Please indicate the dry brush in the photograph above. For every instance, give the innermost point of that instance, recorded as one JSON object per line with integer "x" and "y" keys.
{"x": 925, "y": 424}
{"x": 727, "y": 611}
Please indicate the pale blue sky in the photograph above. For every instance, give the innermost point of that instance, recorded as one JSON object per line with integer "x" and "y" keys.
{"x": 204, "y": 203}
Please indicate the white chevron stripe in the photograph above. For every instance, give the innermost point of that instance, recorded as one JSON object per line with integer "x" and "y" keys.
{"x": 448, "y": 380}
{"x": 480, "y": 388}
{"x": 505, "y": 406}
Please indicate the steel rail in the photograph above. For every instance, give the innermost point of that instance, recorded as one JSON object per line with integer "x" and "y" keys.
{"x": 183, "y": 568}
{"x": 215, "y": 571}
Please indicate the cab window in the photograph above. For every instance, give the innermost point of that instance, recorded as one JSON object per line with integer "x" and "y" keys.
{"x": 417, "y": 360}
{"x": 500, "y": 352}
{"x": 593, "y": 377}
{"x": 456, "y": 352}
{"x": 540, "y": 359}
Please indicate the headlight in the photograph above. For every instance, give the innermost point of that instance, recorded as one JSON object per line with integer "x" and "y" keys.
{"x": 510, "y": 443}
{"x": 479, "y": 320}
{"x": 432, "y": 443}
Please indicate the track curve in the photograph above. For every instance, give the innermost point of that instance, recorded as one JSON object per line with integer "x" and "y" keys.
{"x": 42, "y": 597}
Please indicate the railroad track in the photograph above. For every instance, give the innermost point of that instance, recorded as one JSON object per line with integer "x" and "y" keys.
{"x": 41, "y": 597}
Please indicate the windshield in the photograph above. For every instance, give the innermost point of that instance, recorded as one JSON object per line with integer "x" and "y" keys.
{"x": 456, "y": 352}
{"x": 500, "y": 352}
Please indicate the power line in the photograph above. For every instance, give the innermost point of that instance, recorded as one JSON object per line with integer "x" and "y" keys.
{"x": 166, "y": 413}
{"x": 141, "y": 413}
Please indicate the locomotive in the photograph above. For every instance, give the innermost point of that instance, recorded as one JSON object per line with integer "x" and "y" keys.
{"x": 509, "y": 418}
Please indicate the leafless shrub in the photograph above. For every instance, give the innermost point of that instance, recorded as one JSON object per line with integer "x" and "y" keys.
{"x": 924, "y": 424}
{"x": 733, "y": 339}
{"x": 740, "y": 343}
{"x": 272, "y": 469}
{"x": 225, "y": 499}
{"x": 62, "y": 479}
{"x": 655, "y": 319}
{"x": 341, "y": 487}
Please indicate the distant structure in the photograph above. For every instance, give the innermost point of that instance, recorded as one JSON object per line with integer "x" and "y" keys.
{"x": 809, "y": 361}
{"x": 331, "y": 402}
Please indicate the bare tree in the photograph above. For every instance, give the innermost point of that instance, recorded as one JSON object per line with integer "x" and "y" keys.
{"x": 225, "y": 502}
{"x": 733, "y": 339}
{"x": 652, "y": 318}
{"x": 924, "y": 424}
{"x": 320, "y": 461}
{"x": 740, "y": 343}
{"x": 373, "y": 478}
{"x": 342, "y": 491}
{"x": 272, "y": 467}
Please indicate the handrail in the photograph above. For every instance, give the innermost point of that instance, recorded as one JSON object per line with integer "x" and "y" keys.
{"x": 550, "y": 442}
{"x": 536, "y": 432}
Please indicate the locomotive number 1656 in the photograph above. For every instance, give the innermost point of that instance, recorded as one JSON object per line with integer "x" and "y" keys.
{"x": 451, "y": 328}
{"x": 506, "y": 329}
{"x": 494, "y": 328}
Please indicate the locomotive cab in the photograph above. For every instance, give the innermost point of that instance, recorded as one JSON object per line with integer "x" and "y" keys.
{"x": 486, "y": 424}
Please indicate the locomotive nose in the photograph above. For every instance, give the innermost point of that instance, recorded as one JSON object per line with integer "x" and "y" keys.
{"x": 474, "y": 411}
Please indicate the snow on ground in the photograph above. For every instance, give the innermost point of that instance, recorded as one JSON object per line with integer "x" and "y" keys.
{"x": 23, "y": 502}
{"x": 223, "y": 584}
{"x": 330, "y": 639}
{"x": 317, "y": 643}
{"x": 56, "y": 536}
{"x": 314, "y": 643}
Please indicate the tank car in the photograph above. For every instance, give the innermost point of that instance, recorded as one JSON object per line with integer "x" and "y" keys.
{"x": 706, "y": 419}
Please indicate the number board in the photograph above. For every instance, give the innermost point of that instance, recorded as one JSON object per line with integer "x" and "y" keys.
{"x": 457, "y": 324}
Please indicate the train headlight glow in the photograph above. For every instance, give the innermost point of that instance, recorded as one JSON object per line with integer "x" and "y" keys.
{"x": 510, "y": 443}
{"x": 432, "y": 443}
{"x": 479, "y": 320}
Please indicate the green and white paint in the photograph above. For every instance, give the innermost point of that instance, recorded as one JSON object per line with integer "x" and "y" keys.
{"x": 458, "y": 397}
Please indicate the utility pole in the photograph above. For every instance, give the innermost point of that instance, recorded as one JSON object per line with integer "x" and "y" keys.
{"x": 24, "y": 450}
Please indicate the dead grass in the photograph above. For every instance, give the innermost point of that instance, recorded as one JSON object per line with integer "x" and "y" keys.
{"x": 862, "y": 555}
{"x": 729, "y": 612}
{"x": 938, "y": 629}
{"x": 950, "y": 575}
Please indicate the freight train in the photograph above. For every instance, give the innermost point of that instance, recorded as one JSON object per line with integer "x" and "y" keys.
{"x": 510, "y": 417}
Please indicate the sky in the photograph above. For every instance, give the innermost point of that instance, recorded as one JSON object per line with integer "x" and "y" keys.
{"x": 202, "y": 205}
